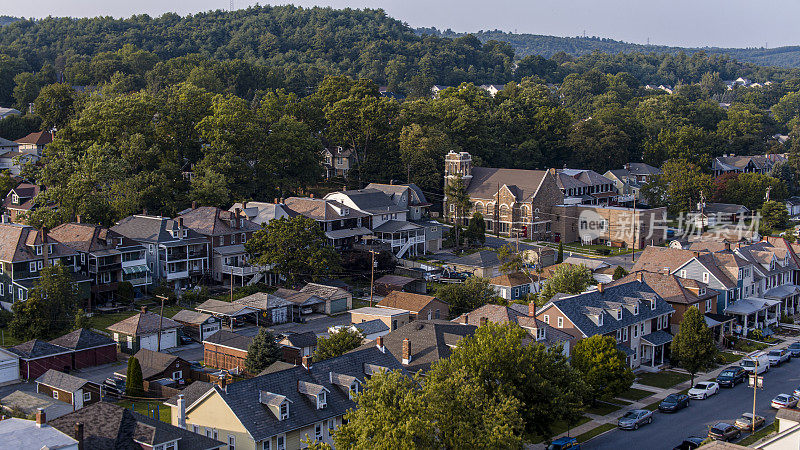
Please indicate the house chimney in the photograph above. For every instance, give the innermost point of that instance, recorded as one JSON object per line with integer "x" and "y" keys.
{"x": 696, "y": 254}
{"x": 41, "y": 419}
{"x": 144, "y": 309}
{"x": 406, "y": 352}
{"x": 222, "y": 382}
{"x": 180, "y": 223}
{"x": 311, "y": 195}
{"x": 78, "y": 435}
{"x": 194, "y": 205}
{"x": 379, "y": 344}
{"x": 600, "y": 287}
{"x": 236, "y": 219}
{"x": 640, "y": 277}
{"x": 727, "y": 246}
{"x": 466, "y": 318}
{"x": 181, "y": 411}
{"x": 306, "y": 362}
{"x": 532, "y": 309}
{"x": 276, "y": 201}
{"x": 484, "y": 321}
{"x": 78, "y": 218}
{"x": 45, "y": 247}
{"x": 244, "y": 205}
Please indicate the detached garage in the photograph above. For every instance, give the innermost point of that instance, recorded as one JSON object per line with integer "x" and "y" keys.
{"x": 141, "y": 332}
{"x": 89, "y": 348}
{"x": 9, "y": 367}
{"x": 37, "y": 357}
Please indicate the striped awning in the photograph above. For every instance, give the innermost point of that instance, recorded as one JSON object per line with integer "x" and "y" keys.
{"x": 135, "y": 269}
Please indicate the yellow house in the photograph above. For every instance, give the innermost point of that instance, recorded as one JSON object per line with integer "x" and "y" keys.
{"x": 277, "y": 411}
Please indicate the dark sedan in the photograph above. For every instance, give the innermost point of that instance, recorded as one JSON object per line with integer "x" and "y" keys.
{"x": 689, "y": 443}
{"x": 794, "y": 349}
{"x": 732, "y": 376}
{"x": 674, "y": 402}
{"x": 724, "y": 432}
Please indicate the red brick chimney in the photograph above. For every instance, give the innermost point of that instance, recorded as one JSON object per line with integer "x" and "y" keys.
{"x": 406, "y": 352}
{"x": 78, "y": 218}
{"x": 600, "y": 288}
{"x": 307, "y": 362}
{"x": 466, "y": 318}
{"x": 379, "y": 344}
{"x": 640, "y": 277}
{"x": 79, "y": 434}
{"x": 311, "y": 195}
{"x": 41, "y": 419}
{"x": 532, "y": 309}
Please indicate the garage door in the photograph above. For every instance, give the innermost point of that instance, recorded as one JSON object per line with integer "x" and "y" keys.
{"x": 169, "y": 339}
{"x": 279, "y": 315}
{"x": 9, "y": 371}
{"x": 338, "y": 305}
{"x": 149, "y": 342}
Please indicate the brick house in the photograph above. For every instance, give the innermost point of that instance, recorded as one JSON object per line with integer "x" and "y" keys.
{"x": 226, "y": 350}
{"x": 618, "y": 226}
{"x": 295, "y": 346}
{"x": 420, "y": 306}
{"x": 68, "y": 388}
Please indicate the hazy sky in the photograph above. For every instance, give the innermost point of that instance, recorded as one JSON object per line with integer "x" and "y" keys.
{"x": 729, "y": 23}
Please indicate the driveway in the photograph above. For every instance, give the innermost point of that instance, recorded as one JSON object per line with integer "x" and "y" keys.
{"x": 668, "y": 430}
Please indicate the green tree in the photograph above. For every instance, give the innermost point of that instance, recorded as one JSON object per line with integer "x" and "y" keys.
{"x": 422, "y": 150}
{"x": 297, "y": 247}
{"x": 679, "y": 186}
{"x": 55, "y": 104}
{"x": 466, "y": 296}
{"x": 749, "y": 189}
{"x": 52, "y": 298}
{"x": 619, "y": 272}
{"x": 774, "y": 215}
{"x": 7, "y": 183}
{"x": 510, "y": 260}
{"x": 567, "y": 279}
{"x": 475, "y": 234}
{"x": 337, "y": 344}
{"x": 693, "y": 346}
{"x": 81, "y": 320}
{"x": 134, "y": 383}
{"x": 125, "y": 291}
{"x": 263, "y": 351}
{"x": 788, "y": 108}
{"x": 560, "y": 253}
{"x": 457, "y": 203}
{"x": 603, "y": 367}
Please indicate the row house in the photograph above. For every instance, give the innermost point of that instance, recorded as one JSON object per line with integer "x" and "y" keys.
{"x": 629, "y": 180}
{"x": 20, "y": 201}
{"x": 24, "y": 252}
{"x": 105, "y": 257}
{"x": 227, "y": 233}
{"x": 746, "y": 164}
{"x": 632, "y": 313}
{"x": 411, "y": 197}
{"x": 581, "y": 186}
{"x": 175, "y": 254}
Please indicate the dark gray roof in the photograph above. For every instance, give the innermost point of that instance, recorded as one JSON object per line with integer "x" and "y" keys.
{"x": 393, "y": 226}
{"x": 371, "y": 327}
{"x": 191, "y": 393}
{"x": 576, "y": 307}
{"x": 243, "y": 396}
{"x": 110, "y": 427}
{"x": 82, "y": 339}
{"x": 372, "y": 201}
{"x": 37, "y": 349}
{"x": 153, "y": 229}
{"x": 625, "y": 349}
{"x": 301, "y": 340}
{"x": 643, "y": 169}
{"x": 62, "y": 381}
{"x": 658, "y": 338}
{"x": 153, "y": 363}
{"x": 230, "y": 339}
{"x": 483, "y": 258}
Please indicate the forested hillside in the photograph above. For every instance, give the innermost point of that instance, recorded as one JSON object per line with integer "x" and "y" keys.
{"x": 5, "y": 20}
{"x": 547, "y": 46}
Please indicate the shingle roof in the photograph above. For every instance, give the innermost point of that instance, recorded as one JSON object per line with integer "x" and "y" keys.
{"x": 300, "y": 340}
{"x": 38, "y": 138}
{"x": 319, "y": 208}
{"x": 37, "y": 349}
{"x": 671, "y": 288}
{"x": 23, "y": 191}
{"x": 224, "y": 308}
{"x": 416, "y": 196}
{"x": 61, "y": 381}
{"x": 191, "y": 393}
{"x": 485, "y": 181}
{"x": 88, "y": 238}
{"x": 406, "y": 300}
{"x": 243, "y": 397}
{"x": 143, "y": 323}
{"x": 393, "y": 226}
{"x": 230, "y": 339}
{"x": 153, "y": 363}
{"x": 324, "y": 291}
{"x": 261, "y": 212}
{"x": 724, "y": 208}
{"x": 370, "y": 200}
{"x": 82, "y": 339}
{"x": 153, "y": 229}
{"x": 394, "y": 280}
{"x": 212, "y": 221}
{"x": 189, "y": 316}
{"x": 107, "y": 426}
{"x": 371, "y": 327}
{"x": 483, "y": 258}
{"x": 16, "y": 241}
{"x": 661, "y": 259}
{"x": 262, "y": 301}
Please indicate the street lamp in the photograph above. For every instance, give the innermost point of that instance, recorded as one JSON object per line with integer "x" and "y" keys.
{"x": 756, "y": 382}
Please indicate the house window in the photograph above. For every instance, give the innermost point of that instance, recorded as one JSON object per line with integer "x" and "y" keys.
{"x": 284, "y": 411}
{"x": 38, "y": 249}
{"x": 635, "y": 331}
{"x": 430, "y": 314}
{"x": 177, "y": 375}
{"x": 222, "y": 240}
{"x": 2, "y": 289}
{"x": 625, "y": 334}
{"x": 195, "y": 429}
{"x": 87, "y": 396}
{"x": 39, "y": 265}
{"x": 266, "y": 445}
{"x": 55, "y": 395}
{"x": 231, "y": 442}
{"x": 653, "y": 305}
{"x": 83, "y": 258}
{"x": 547, "y": 319}
{"x": 560, "y": 322}
{"x": 322, "y": 400}
{"x": 32, "y": 266}
{"x": 318, "y": 432}
{"x": 619, "y": 314}
{"x": 331, "y": 427}
{"x": 705, "y": 277}
{"x": 438, "y": 314}
{"x": 150, "y": 248}
{"x": 635, "y": 310}
{"x": 281, "y": 441}
{"x": 708, "y": 305}
{"x": 105, "y": 277}
{"x": 619, "y": 335}
{"x": 244, "y": 238}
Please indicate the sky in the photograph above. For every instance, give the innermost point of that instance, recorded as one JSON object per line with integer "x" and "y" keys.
{"x": 688, "y": 23}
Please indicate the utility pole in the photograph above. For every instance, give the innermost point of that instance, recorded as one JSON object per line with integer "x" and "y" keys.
{"x": 633, "y": 223}
{"x": 160, "y": 320}
{"x": 372, "y": 278}
{"x": 754, "y": 380}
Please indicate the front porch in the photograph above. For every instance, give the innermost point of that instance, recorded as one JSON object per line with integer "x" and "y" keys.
{"x": 654, "y": 348}
{"x": 788, "y": 295}
{"x": 754, "y": 314}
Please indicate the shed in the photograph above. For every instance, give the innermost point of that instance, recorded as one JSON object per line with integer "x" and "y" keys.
{"x": 36, "y": 357}
{"x": 70, "y": 389}
{"x": 89, "y": 348}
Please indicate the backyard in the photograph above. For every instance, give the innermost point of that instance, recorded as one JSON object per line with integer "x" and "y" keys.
{"x": 148, "y": 408}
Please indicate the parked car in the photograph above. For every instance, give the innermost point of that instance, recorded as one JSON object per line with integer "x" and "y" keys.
{"x": 113, "y": 386}
{"x": 783, "y": 401}
{"x": 635, "y": 418}
{"x": 564, "y": 443}
{"x": 794, "y": 349}
{"x": 674, "y": 402}
{"x": 186, "y": 340}
{"x": 732, "y": 376}
{"x": 757, "y": 362}
{"x": 745, "y": 422}
{"x": 724, "y": 432}
{"x": 796, "y": 393}
{"x": 778, "y": 356}
{"x": 690, "y": 443}
{"x": 704, "y": 390}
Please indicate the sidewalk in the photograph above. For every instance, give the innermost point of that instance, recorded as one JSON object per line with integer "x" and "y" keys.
{"x": 658, "y": 395}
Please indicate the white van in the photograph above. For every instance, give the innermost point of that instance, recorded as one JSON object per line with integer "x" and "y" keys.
{"x": 749, "y": 363}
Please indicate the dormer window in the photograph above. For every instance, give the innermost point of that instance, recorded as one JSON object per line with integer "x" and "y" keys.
{"x": 619, "y": 314}
{"x": 653, "y": 304}
{"x": 702, "y": 291}
{"x": 635, "y": 310}
{"x": 705, "y": 277}
{"x": 15, "y": 198}
{"x": 600, "y": 320}
{"x": 353, "y": 391}
{"x": 38, "y": 249}
{"x": 541, "y": 334}
{"x": 284, "y": 411}
{"x": 322, "y": 400}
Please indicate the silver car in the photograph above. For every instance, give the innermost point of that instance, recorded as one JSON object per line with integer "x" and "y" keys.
{"x": 635, "y": 418}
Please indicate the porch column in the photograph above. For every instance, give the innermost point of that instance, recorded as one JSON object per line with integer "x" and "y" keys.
{"x": 653, "y": 356}
{"x": 744, "y": 328}
{"x": 663, "y": 349}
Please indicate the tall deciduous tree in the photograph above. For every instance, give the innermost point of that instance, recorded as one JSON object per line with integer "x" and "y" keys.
{"x": 457, "y": 203}
{"x": 679, "y": 187}
{"x": 297, "y": 247}
{"x": 693, "y": 347}
{"x": 774, "y": 215}
{"x": 603, "y": 367}
{"x": 475, "y": 234}
{"x": 466, "y": 296}
{"x": 51, "y": 303}
{"x": 422, "y": 150}
{"x": 567, "y": 279}
{"x": 337, "y": 343}
{"x": 262, "y": 352}
{"x": 55, "y": 104}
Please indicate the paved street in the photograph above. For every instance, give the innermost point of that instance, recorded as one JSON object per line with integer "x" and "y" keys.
{"x": 667, "y": 430}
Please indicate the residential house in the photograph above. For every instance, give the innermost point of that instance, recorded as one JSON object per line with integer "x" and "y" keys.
{"x": 746, "y": 164}
{"x": 793, "y": 207}
{"x": 38, "y": 434}
{"x": 89, "y": 348}
{"x": 713, "y": 214}
{"x": 483, "y": 263}
{"x": 581, "y": 186}
{"x": 420, "y": 306}
{"x": 492, "y": 89}
{"x": 632, "y": 313}
{"x": 538, "y": 331}
{"x": 261, "y": 213}
{"x": 141, "y": 331}
{"x": 515, "y": 200}
{"x": 514, "y": 286}
{"x": 393, "y": 318}
{"x": 629, "y": 181}
{"x": 343, "y": 226}
{"x": 67, "y": 388}
{"x": 20, "y": 201}
{"x": 35, "y": 143}
{"x": 615, "y": 226}
{"x": 226, "y": 350}
{"x": 369, "y": 329}
{"x": 423, "y": 342}
{"x": 338, "y": 161}
{"x": 9, "y": 367}
{"x": 29, "y": 403}
{"x": 107, "y": 258}
{"x": 7, "y": 146}
{"x": 5, "y": 112}
{"x": 37, "y": 357}
{"x": 437, "y": 89}
{"x": 106, "y": 425}
{"x": 227, "y": 233}
{"x": 389, "y": 283}
{"x": 175, "y": 253}
{"x": 278, "y": 410}
{"x": 411, "y": 197}
{"x": 296, "y": 346}
{"x": 197, "y": 325}
{"x": 24, "y": 252}
{"x": 158, "y": 366}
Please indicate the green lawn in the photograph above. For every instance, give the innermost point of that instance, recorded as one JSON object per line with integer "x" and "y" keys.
{"x": 636, "y": 394}
{"x": 728, "y": 357}
{"x": 558, "y": 428}
{"x": 601, "y": 409}
{"x": 143, "y": 407}
{"x": 360, "y": 303}
{"x": 664, "y": 379}
{"x": 747, "y": 346}
{"x": 763, "y": 432}
{"x": 594, "y": 432}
